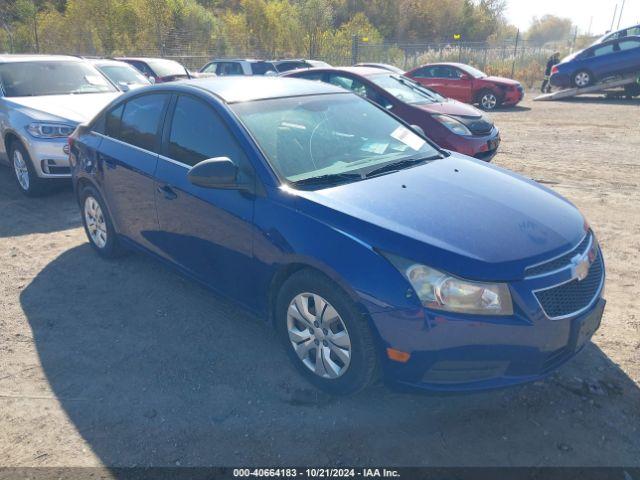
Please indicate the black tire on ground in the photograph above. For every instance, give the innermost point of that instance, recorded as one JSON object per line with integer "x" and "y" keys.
{"x": 632, "y": 90}
{"x": 363, "y": 367}
{"x": 582, "y": 79}
{"x": 488, "y": 100}
{"x": 32, "y": 185}
{"x": 112, "y": 248}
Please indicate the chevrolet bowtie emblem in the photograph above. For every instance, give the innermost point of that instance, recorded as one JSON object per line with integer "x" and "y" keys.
{"x": 580, "y": 267}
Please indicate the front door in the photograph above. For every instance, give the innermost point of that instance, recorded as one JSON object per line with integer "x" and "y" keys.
{"x": 128, "y": 159}
{"x": 206, "y": 231}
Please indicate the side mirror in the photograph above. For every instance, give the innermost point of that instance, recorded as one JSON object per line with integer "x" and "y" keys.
{"x": 152, "y": 79}
{"x": 219, "y": 172}
{"x": 465, "y": 76}
{"x": 419, "y": 129}
{"x": 123, "y": 86}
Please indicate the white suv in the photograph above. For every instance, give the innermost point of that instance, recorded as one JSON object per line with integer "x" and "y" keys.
{"x": 42, "y": 100}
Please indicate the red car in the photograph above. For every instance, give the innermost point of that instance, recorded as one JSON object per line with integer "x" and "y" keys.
{"x": 468, "y": 84}
{"x": 449, "y": 123}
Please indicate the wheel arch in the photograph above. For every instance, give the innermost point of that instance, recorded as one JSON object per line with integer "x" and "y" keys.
{"x": 9, "y": 137}
{"x": 287, "y": 271}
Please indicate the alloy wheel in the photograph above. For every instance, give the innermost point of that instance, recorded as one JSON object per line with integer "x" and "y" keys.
{"x": 21, "y": 170}
{"x": 488, "y": 101}
{"x": 582, "y": 79}
{"x": 318, "y": 335}
{"x": 96, "y": 224}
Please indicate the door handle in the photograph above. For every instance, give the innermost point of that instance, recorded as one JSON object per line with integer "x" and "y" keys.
{"x": 168, "y": 192}
{"x": 108, "y": 161}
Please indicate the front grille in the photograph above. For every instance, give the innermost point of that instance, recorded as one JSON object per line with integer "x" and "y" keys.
{"x": 560, "y": 262}
{"x": 476, "y": 125}
{"x": 569, "y": 298}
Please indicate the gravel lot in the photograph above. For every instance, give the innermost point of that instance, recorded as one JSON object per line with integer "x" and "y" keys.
{"x": 126, "y": 363}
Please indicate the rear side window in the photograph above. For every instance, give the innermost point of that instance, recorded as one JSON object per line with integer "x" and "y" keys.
{"x": 318, "y": 76}
{"x": 198, "y": 133}
{"x": 261, "y": 68}
{"x": 141, "y": 121}
{"x": 598, "y": 52}
{"x": 229, "y": 68}
{"x": 112, "y": 121}
{"x": 286, "y": 66}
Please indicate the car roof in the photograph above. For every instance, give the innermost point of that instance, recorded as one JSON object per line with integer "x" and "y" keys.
{"x": 106, "y": 61}
{"x": 250, "y": 60}
{"x": 234, "y": 89}
{"x": 362, "y": 71}
{"x": 11, "y": 58}
{"x": 448, "y": 64}
{"x": 144, "y": 59}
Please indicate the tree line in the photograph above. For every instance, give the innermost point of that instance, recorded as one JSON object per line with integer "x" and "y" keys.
{"x": 273, "y": 28}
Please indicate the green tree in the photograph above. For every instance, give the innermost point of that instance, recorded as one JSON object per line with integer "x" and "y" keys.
{"x": 549, "y": 28}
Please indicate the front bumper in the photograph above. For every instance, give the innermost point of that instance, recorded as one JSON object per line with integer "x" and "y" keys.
{"x": 482, "y": 147}
{"x": 48, "y": 156}
{"x": 513, "y": 97}
{"x": 456, "y": 352}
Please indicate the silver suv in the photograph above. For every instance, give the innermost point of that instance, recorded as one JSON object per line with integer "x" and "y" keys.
{"x": 42, "y": 99}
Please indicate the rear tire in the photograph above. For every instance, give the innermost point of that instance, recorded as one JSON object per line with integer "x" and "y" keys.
{"x": 488, "y": 100}
{"x": 24, "y": 173}
{"x": 98, "y": 225}
{"x": 333, "y": 346}
{"x": 582, "y": 79}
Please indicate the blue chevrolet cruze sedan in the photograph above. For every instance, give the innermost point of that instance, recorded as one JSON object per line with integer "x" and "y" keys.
{"x": 372, "y": 251}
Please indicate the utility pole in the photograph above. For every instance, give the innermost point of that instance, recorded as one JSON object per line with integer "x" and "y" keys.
{"x": 620, "y": 16}
{"x": 615, "y": 10}
{"x": 515, "y": 54}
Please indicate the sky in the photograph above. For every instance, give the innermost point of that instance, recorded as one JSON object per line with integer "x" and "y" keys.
{"x": 598, "y": 13}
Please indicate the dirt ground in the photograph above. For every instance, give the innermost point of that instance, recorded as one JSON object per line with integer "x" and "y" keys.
{"x": 127, "y": 363}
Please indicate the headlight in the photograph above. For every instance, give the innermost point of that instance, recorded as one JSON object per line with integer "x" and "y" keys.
{"x": 441, "y": 291}
{"x": 50, "y": 130}
{"x": 452, "y": 124}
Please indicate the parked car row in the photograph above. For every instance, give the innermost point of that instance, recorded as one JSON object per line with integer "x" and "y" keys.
{"x": 326, "y": 208}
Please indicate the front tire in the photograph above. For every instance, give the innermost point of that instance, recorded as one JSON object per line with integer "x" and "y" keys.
{"x": 24, "y": 173}
{"x": 582, "y": 79}
{"x": 325, "y": 335}
{"x": 98, "y": 225}
{"x": 488, "y": 100}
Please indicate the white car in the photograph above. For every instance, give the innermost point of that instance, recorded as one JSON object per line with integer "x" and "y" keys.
{"x": 123, "y": 76}
{"x": 42, "y": 100}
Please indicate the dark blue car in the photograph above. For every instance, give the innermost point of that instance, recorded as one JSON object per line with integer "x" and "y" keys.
{"x": 597, "y": 62}
{"x": 371, "y": 251}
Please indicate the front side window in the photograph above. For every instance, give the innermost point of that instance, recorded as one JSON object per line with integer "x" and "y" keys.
{"x": 123, "y": 75}
{"x": 166, "y": 68}
{"x": 349, "y": 83}
{"x": 406, "y": 90}
{"x": 198, "y": 133}
{"x": 474, "y": 72}
{"x": 286, "y": 66}
{"x": 141, "y": 121}
{"x": 424, "y": 72}
{"x": 629, "y": 44}
{"x": 30, "y": 79}
{"x": 325, "y": 136}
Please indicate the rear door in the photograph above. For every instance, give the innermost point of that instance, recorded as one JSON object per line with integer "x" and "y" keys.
{"x": 206, "y": 231}
{"x": 629, "y": 55}
{"x": 127, "y": 158}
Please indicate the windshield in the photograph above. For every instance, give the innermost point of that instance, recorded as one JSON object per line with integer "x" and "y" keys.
{"x": 474, "y": 72}
{"x": 406, "y": 90}
{"x": 29, "y": 79}
{"x": 123, "y": 74}
{"x": 166, "y": 68}
{"x": 328, "y": 135}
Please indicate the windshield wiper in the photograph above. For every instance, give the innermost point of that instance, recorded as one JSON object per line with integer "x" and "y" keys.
{"x": 329, "y": 179}
{"x": 399, "y": 165}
